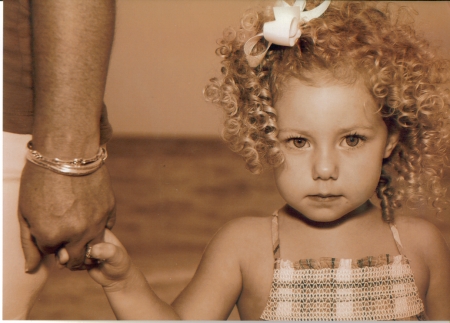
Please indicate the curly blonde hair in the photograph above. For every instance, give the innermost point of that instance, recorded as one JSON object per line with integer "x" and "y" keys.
{"x": 350, "y": 41}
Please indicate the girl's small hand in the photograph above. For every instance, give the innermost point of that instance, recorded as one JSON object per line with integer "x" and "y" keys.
{"x": 113, "y": 265}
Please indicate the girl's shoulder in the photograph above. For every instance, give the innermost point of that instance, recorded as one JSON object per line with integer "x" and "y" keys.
{"x": 247, "y": 228}
{"x": 249, "y": 224}
{"x": 429, "y": 257}
{"x": 224, "y": 267}
{"x": 245, "y": 235}
{"x": 421, "y": 237}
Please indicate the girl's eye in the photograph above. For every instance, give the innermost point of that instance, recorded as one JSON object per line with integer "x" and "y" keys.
{"x": 299, "y": 142}
{"x": 353, "y": 140}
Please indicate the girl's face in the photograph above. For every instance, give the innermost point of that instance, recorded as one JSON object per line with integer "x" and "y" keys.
{"x": 333, "y": 141}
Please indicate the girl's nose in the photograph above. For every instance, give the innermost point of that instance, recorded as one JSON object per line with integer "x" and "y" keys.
{"x": 325, "y": 166}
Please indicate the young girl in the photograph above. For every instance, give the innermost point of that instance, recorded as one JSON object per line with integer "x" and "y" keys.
{"x": 343, "y": 102}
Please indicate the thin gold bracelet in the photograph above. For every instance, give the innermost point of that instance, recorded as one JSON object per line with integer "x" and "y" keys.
{"x": 75, "y": 167}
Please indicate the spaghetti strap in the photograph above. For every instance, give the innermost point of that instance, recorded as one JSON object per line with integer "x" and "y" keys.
{"x": 396, "y": 236}
{"x": 275, "y": 237}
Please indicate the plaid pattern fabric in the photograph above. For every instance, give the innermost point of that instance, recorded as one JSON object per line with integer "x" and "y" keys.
{"x": 372, "y": 288}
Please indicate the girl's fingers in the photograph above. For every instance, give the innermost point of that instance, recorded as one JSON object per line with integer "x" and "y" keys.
{"x": 98, "y": 239}
{"x": 111, "y": 238}
{"x": 110, "y": 250}
{"x": 105, "y": 252}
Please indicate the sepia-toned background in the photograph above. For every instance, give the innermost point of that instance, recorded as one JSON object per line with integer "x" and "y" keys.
{"x": 163, "y": 56}
{"x": 176, "y": 183}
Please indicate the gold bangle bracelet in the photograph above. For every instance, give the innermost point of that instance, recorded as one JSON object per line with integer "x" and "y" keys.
{"x": 75, "y": 167}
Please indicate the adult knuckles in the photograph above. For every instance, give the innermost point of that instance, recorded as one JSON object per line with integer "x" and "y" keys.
{"x": 47, "y": 246}
{"x": 111, "y": 221}
{"x": 47, "y": 237}
{"x": 77, "y": 255}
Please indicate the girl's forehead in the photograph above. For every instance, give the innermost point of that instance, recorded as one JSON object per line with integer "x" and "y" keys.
{"x": 328, "y": 105}
{"x": 316, "y": 78}
{"x": 324, "y": 90}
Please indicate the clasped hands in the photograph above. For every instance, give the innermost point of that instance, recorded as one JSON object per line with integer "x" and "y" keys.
{"x": 63, "y": 212}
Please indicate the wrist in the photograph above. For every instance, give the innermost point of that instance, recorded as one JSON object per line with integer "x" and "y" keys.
{"x": 68, "y": 145}
{"x": 131, "y": 281}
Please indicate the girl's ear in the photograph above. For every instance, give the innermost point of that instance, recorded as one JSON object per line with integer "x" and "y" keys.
{"x": 391, "y": 142}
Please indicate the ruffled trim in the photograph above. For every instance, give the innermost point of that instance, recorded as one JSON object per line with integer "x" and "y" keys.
{"x": 334, "y": 263}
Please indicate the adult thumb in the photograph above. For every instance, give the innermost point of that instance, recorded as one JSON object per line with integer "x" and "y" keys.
{"x": 30, "y": 250}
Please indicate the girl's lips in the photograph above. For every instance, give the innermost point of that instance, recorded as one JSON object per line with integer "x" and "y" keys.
{"x": 324, "y": 197}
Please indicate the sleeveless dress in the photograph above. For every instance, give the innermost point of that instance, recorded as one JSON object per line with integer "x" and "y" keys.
{"x": 331, "y": 289}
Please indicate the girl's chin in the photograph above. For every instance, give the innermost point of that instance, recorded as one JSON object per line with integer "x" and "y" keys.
{"x": 323, "y": 214}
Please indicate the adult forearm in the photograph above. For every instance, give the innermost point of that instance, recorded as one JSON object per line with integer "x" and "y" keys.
{"x": 71, "y": 48}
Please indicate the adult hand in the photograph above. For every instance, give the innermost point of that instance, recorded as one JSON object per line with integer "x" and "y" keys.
{"x": 58, "y": 211}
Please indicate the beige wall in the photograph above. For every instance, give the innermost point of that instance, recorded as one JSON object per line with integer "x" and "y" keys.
{"x": 163, "y": 55}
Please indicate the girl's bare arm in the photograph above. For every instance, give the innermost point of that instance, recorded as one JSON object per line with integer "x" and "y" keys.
{"x": 211, "y": 294}
{"x": 437, "y": 302}
{"x": 429, "y": 256}
{"x": 126, "y": 288}
{"x": 217, "y": 283}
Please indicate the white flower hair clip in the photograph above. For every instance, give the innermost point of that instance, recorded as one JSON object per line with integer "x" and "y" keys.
{"x": 284, "y": 30}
